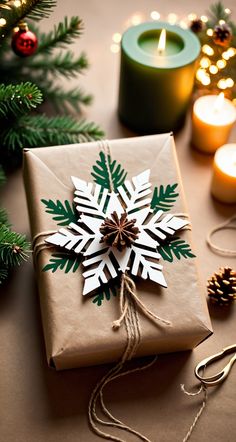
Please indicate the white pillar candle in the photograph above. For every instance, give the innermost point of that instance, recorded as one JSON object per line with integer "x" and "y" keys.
{"x": 223, "y": 186}
{"x": 212, "y": 120}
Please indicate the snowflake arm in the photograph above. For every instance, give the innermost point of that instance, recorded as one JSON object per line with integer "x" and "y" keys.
{"x": 145, "y": 264}
{"x": 135, "y": 198}
{"x": 97, "y": 274}
{"x": 69, "y": 240}
{"x": 89, "y": 198}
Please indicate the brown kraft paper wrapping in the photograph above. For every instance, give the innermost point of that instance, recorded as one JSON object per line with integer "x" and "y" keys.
{"x": 78, "y": 332}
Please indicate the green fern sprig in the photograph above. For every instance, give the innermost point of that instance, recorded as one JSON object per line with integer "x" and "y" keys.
{"x": 63, "y": 261}
{"x": 164, "y": 197}
{"x": 177, "y": 248}
{"x": 105, "y": 295}
{"x": 63, "y": 214}
{"x": 101, "y": 173}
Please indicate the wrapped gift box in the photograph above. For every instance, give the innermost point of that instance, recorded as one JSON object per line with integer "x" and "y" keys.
{"x": 77, "y": 330}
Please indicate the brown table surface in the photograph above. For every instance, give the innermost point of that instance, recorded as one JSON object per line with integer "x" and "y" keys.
{"x": 38, "y": 404}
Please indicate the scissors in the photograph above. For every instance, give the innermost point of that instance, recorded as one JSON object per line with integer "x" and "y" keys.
{"x": 222, "y": 374}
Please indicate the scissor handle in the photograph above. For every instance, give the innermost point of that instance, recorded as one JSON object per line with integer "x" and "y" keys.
{"x": 211, "y": 381}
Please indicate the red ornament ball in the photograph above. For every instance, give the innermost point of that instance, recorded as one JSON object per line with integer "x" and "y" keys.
{"x": 24, "y": 43}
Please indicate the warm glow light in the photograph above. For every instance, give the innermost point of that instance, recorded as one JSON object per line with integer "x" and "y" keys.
{"x": 115, "y": 48}
{"x": 209, "y": 32}
{"x": 225, "y": 55}
{"x": 116, "y": 37}
{"x": 136, "y": 19}
{"x": 221, "y": 22}
{"x": 227, "y": 11}
{"x": 162, "y": 42}
{"x": 229, "y": 82}
{"x": 204, "y": 18}
{"x": 183, "y": 24}
{"x": 205, "y": 62}
{"x": 219, "y": 102}
{"x": 222, "y": 84}
{"x": 200, "y": 73}
{"x": 192, "y": 17}
{"x": 172, "y": 18}
{"x": 17, "y": 3}
{"x": 221, "y": 64}
{"x": 213, "y": 69}
{"x": 231, "y": 52}
{"x": 206, "y": 80}
{"x": 206, "y": 49}
{"x": 155, "y": 15}
{"x": 2, "y": 21}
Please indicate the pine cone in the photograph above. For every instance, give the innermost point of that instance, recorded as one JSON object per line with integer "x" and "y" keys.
{"x": 222, "y": 35}
{"x": 196, "y": 25}
{"x": 119, "y": 232}
{"x": 221, "y": 286}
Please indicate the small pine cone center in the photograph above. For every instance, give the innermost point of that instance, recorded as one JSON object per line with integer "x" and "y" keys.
{"x": 119, "y": 232}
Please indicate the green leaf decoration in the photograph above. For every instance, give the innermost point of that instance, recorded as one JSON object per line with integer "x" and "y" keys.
{"x": 164, "y": 197}
{"x": 63, "y": 214}
{"x": 105, "y": 295}
{"x": 63, "y": 261}
{"x": 176, "y": 247}
{"x": 101, "y": 173}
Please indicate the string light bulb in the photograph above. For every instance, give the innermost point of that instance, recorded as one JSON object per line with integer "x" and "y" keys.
{"x": 221, "y": 64}
{"x": 2, "y": 21}
{"x": 213, "y": 69}
{"x": 205, "y": 62}
{"x": 210, "y": 32}
{"x": 208, "y": 50}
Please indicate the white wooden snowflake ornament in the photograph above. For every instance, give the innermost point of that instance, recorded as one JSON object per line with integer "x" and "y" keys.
{"x": 103, "y": 261}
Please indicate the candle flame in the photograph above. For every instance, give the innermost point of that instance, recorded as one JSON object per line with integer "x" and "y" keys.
{"x": 162, "y": 42}
{"x": 219, "y": 102}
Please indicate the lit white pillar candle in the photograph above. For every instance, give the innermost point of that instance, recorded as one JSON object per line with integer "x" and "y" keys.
{"x": 223, "y": 186}
{"x": 212, "y": 120}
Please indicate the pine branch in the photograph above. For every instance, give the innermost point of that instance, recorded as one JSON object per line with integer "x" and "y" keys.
{"x": 164, "y": 197}
{"x": 66, "y": 262}
{"x": 63, "y": 34}
{"x": 61, "y": 100}
{"x": 39, "y": 131}
{"x": 32, "y": 9}
{"x": 64, "y": 214}
{"x": 4, "y": 218}
{"x": 176, "y": 247}
{"x": 61, "y": 64}
{"x": 19, "y": 99}
{"x": 13, "y": 247}
{"x": 2, "y": 176}
{"x": 101, "y": 173}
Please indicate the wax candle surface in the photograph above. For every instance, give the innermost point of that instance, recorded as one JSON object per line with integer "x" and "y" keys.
{"x": 156, "y": 86}
{"x": 212, "y": 120}
{"x": 223, "y": 185}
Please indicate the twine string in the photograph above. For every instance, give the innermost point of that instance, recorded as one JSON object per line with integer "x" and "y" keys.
{"x": 228, "y": 224}
{"x": 202, "y": 389}
{"x": 128, "y": 287}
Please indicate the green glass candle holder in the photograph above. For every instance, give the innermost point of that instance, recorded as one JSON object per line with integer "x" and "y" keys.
{"x": 155, "y": 88}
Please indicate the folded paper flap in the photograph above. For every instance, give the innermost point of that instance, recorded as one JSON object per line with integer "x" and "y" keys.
{"x": 70, "y": 321}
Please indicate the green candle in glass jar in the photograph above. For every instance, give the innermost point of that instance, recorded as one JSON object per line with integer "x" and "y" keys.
{"x": 156, "y": 76}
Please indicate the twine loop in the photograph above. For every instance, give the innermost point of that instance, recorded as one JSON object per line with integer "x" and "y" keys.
{"x": 228, "y": 224}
